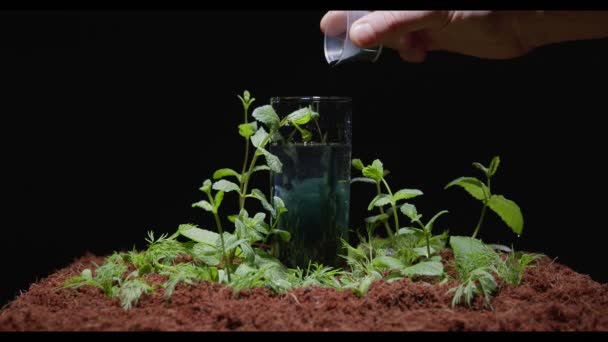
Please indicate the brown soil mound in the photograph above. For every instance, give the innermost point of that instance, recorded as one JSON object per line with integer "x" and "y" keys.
{"x": 551, "y": 297}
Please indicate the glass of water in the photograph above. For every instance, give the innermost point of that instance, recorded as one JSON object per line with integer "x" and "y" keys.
{"x": 315, "y": 180}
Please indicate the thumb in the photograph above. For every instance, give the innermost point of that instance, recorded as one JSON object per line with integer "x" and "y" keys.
{"x": 378, "y": 27}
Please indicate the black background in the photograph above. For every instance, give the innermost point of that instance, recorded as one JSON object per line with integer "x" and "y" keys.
{"x": 112, "y": 120}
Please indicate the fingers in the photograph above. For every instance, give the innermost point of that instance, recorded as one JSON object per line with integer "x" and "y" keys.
{"x": 413, "y": 56}
{"x": 383, "y": 27}
{"x": 409, "y": 51}
{"x": 333, "y": 23}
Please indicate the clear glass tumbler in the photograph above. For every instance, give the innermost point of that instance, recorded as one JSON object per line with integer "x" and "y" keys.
{"x": 338, "y": 47}
{"x": 315, "y": 181}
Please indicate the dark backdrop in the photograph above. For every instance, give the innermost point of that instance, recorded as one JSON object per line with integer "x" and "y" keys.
{"x": 111, "y": 121}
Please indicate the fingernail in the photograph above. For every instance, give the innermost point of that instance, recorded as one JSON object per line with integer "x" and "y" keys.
{"x": 363, "y": 34}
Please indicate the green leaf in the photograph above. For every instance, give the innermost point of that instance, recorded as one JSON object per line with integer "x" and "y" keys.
{"x": 86, "y": 274}
{"x": 278, "y": 202}
{"x": 472, "y": 185}
{"x": 262, "y": 227}
{"x": 284, "y": 235}
{"x": 364, "y": 285}
{"x": 378, "y": 165}
{"x": 207, "y": 253}
{"x": 240, "y": 228}
{"x": 257, "y": 193}
{"x": 246, "y": 99}
{"x": 393, "y": 277}
{"x": 481, "y": 167}
{"x": 247, "y": 251}
{"x": 377, "y": 218}
{"x": 232, "y": 218}
{"x": 260, "y": 168}
{"x": 226, "y": 186}
{"x": 266, "y": 115}
{"x": 357, "y": 164}
{"x": 300, "y": 117}
{"x": 374, "y": 171}
{"x": 273, "y": 162}
{"x": 424, "y": 268}
{"x": 363, "y": 180}
{"x": 199, "y": 235}
{"x": 498, "y": 247}
{"x": 221, "y": 173}
{"x": 131, "y": 291}
{"x": 353, "y": 252}
{"x": 279, "y": 205}
{"x": 465, "y": 245}
{"x": 422, "y": 251}
{"x": 406, "y": 194}
{"x": 259, "y": 137}
{"x": 508, "y": 211}
{"x": 409, "y": 210}
{"x": 306, "y": 135}
{"x": 246, "y": 130}
{"x": 259, "y": 217}
{"x": 379, "y": 201}
{"x": 494, "y": 166}
{"x": 206, "y": 186}
{"x": 232, "y": 242}
{"x": 219, "y": 197}
{"x": 429, "y": 225}
{"x": 410, "y": 230}
{"x": 204, "y": 205}
{"x": 387, "y": 262}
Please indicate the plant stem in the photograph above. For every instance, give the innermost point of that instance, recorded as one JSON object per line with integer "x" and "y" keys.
{"x": 246, "y": 159}
{"x": 386, "y": 225}
{"x": 392, "y": 204}
{"x": 428, "y": 239}
{"x": 246, "y": 156}
{"x": 319, "y": 129}
{"x": 483, "y": 211}
{"x": 371, "y": 247}
{"x": 219, "y": 228}
{"x": 246, "y": 176}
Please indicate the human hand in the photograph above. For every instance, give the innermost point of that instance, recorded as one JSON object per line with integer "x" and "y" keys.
{"x": 413, "y": 34}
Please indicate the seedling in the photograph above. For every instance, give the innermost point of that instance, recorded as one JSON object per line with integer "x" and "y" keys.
{"x": 399, "y": 254}
{"x": 410, "y": 211}
{"x": 477, "y": 263}
{"x": 375, "y": 174}
{"x": 508, "y": 210}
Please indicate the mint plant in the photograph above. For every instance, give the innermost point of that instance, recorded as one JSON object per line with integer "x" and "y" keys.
{"x": 508, "y": 210}
{"x": 399, "y": 255}
{"x": 410, "y": 211}
{"x": 253, "y": 230}
{"x": 375, "y": 174}
{"x": 242, "y": 257}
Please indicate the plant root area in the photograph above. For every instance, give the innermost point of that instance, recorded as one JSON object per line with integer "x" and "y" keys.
{"x": 551, "y": 297}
